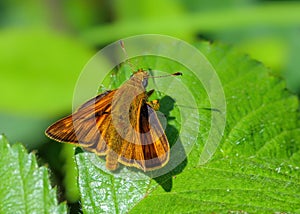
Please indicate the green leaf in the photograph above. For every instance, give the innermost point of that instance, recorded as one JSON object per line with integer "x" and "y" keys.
{"x": 255, "y": 168}
{"x": 225, "y": 185}
{"x": 25, "y": 187}
{"x": 103, "y": 192}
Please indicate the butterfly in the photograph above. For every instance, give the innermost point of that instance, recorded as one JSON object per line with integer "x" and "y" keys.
{"x": 120, "y": 124}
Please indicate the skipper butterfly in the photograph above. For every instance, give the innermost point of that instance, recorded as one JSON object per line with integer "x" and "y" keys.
{"x": 120, "y": 124}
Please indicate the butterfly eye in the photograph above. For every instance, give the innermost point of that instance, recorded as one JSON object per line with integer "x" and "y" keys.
{"x": 145, "y": 82}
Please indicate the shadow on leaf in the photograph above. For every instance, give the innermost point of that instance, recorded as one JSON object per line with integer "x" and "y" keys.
{"x": 178, "y": 159}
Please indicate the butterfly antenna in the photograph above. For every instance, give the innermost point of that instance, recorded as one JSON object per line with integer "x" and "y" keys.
{"x": 174, "y": 74}
{"x": 126, "y": 56}
{"x": 202, "y": 108}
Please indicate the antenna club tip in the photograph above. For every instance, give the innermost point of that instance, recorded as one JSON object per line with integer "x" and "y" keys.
{"x": 177, "y": 74}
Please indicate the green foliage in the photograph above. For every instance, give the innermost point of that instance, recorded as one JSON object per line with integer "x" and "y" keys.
{"x": 256, "y": 166}
{"x": 44, "y": 47}
{"x": 69, "y": 171}
{"x": 25, "y": 187}
{"x": 103, "y": 192}
{"x": 37, "y": 66}
{"x": 229, "y": 184}
{"x": 39, "y": 75}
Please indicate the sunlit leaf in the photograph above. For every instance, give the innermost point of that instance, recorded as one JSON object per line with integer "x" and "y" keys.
{"x": 255, "y": 168}
{"x": 25, "y": 187}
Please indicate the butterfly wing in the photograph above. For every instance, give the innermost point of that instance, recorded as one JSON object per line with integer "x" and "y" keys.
{"x": 156, "y": 153}
{"x": 148, "y": 148}
{"x": 91, "y": 127}
{"x": 82, "y": 127}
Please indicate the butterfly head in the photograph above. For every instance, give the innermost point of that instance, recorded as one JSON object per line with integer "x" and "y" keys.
{"x": 140, "y": 76}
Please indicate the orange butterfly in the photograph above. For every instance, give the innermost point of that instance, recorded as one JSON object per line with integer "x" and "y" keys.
{"x": 120, "y": 124}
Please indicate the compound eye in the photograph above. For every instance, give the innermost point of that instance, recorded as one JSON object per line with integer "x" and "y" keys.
{"x": 145, "y": 82}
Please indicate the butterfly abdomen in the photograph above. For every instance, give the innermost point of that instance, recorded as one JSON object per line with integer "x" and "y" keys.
{"x": 111, "y": 160}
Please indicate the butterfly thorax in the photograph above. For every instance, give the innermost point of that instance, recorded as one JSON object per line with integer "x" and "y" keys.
{"x": 129, "y": 98}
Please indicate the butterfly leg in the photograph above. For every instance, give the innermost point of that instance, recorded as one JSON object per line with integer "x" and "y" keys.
{"x": 154, "y": 104}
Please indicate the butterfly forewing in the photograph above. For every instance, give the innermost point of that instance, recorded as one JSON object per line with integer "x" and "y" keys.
{"x": 82, "y": 127}
{"x": 156, "y": 150}
{"x": 148, "y": 148}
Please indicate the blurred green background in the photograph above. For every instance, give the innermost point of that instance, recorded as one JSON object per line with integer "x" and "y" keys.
{"x": 45, "y": 44}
